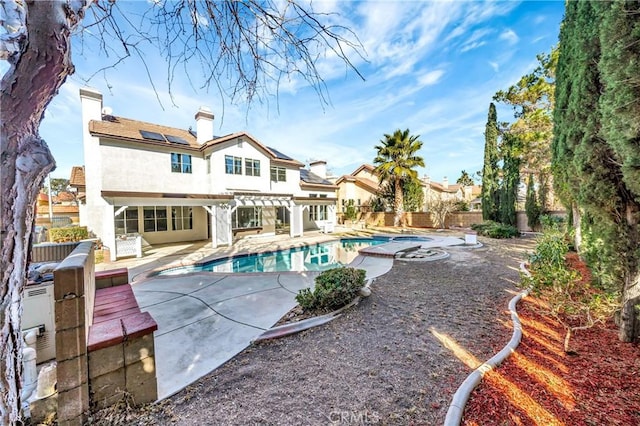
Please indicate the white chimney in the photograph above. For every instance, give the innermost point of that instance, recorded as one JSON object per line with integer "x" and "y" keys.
{"x": 319, "y": 168}
{"x": 426, "y": 179}
{"x": 204, "y": 125}
{"x": 445, "y": 183}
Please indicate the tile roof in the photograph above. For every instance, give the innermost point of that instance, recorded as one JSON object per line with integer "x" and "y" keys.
{"x": 77, "y": 176}
{"x": 126, "y": 128}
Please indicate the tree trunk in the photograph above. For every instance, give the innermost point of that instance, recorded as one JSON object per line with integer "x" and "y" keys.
{"x": 577, "y": 227}
{"x": 631, "y": 292}
{"x": 37, "y": 71}
{"x": 398, "y": 202}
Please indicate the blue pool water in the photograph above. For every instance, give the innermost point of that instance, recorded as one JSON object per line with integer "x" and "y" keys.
{"x": 318, "y": 257}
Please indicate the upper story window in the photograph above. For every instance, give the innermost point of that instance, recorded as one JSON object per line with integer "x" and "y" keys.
{"x": 251, "y": 167}
{"x": 180, "y": 163}
{"x": 278, "y": 174}
{"x": 207, "y": 160}
{"x": 232, "y": 165}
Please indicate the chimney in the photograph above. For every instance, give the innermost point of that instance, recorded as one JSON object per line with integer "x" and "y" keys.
{"x": 319, "y": 168}
{"x": 445, "y": 183}
{"x": 91, "y": 103}
{"x": 426, "y": 179}
{"x": 204, "y": 125}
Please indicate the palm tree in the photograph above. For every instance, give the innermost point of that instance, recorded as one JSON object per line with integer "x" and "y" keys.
{"x": 395, "y": 162}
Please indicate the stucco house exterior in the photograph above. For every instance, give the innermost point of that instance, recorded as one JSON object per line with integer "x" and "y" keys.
{"x": 455, "y": 192}
{"x": 363, "y": 185}
{"x": 166, "y": 184}
{"x": 360, "y": 186}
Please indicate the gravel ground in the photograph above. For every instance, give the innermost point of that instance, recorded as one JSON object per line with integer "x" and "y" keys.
{"x": 379, "y": 363}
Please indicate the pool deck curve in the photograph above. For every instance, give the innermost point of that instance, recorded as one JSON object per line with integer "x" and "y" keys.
{"x": 204, "y": 318}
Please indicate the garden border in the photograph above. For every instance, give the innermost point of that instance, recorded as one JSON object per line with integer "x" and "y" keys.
{"x": 460, "y": 398}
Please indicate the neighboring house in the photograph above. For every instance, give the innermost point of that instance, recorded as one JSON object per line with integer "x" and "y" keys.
{"x": 444, "y": 191}
{"x": 63, "y": 210}
{"x": 361, "y": 186}
{"x": 77, "y": 182}
{"x": 171, "y": 185}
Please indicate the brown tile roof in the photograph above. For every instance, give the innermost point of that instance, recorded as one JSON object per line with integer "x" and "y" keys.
{"x": 367, "y": 184}
{"x": 125, "y": 128}
{"x": 63, "y": 197}
{"x": 77, "y": 176}
{"x": 367, "y": 167}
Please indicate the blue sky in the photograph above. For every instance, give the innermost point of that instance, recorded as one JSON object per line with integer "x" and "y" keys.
{"x": 431, "y": 67}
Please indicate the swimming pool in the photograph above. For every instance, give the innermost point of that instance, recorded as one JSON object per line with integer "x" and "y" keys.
{"x": 318, "y": 257}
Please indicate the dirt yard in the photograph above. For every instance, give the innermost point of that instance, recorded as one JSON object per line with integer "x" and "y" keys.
{"x": 396, "y": 358}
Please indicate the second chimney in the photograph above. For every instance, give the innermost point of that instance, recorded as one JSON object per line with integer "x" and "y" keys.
{"x": 318, "y": 168}
{"x": 204, "y": 125}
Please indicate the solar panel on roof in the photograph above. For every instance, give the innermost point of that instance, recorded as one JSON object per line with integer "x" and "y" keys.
{"x": 279, "y": 155}
{"x": 176, "y": 139}
{"x": 152, "y": 136}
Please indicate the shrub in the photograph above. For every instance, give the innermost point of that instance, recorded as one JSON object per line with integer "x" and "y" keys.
{"x": 565, "y": 282}
{"x": 334, "y": 289}
{"x": 492, "y": 229}
{"x": 68, "y": 234}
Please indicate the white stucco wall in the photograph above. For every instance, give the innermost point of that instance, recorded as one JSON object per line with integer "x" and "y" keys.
{"x": 143, "y": 170}
{"x": 222, "y": 182}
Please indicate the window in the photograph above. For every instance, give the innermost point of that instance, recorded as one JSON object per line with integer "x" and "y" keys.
{"x": 278, "y": 174}
{"x": 251, "y": 167}
{"x": 232, "y": 165}
{"x": 247, "y": 217}
{"x": 207, "y": 160}
{"x": 318, "y": 212}
{"x": 155, "y": 219}
{"x": 126, "y": 222}
{"x": 180, "y": 163}
{"x": 182, "y": 218}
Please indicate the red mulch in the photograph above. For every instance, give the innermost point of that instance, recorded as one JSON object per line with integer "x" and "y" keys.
{"x": 542, "y": 385}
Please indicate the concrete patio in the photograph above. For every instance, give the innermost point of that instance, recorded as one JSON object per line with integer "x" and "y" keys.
{"x": 205, "y": 319}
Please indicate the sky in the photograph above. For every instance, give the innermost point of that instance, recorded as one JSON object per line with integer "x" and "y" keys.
{"x": 430, "y": 67}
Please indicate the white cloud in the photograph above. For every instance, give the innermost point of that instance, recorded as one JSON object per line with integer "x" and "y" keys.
{"x": 430, "y": 78}
{"x": 509, "y": 36}
{"x": 471, "y": 46}
{"x": 494, "y": 65}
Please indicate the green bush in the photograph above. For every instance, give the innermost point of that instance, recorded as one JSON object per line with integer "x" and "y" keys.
{"x": 552, "y": 223}
{"x": 68, "y": 234}
{"x": 548, "y": 265}
{"x": 492, "y": 229}
{"x": 334, "y": 289}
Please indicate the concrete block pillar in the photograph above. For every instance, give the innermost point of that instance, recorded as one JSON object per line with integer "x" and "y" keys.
{"x": 73, "y": 290}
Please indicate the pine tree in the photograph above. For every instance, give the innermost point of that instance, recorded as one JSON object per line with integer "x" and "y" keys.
{"x": 490, "y": 184}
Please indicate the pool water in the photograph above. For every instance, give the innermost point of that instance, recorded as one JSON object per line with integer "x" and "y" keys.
{"x": 318, "y": 257}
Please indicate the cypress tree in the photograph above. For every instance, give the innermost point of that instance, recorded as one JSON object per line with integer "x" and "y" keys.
{"x": 531, "y": 204}
{"x": 490, "y": 170}
{"x": 510, "y": 179}
{"x": 620, "y": 127}
{"x": 596, "y": 161}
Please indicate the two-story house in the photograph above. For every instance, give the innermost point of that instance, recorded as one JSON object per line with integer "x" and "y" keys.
{"x": 170, "y": 185}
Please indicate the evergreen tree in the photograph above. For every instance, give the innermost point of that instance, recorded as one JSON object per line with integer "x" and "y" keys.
{"x": 510, "y": 179}
{"x": 620, "y": 127}
{"x": 490, "y": 171}
{"x": 595, "y": 150}
{"x": 465, "y": 179}
{"x": 531, "y": 204}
